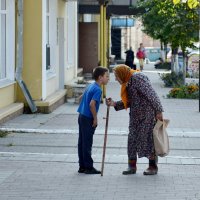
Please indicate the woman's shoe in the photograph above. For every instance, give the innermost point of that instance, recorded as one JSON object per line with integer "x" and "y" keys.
{"x": 130, "y": 171}
{"x": 151, "y": 170}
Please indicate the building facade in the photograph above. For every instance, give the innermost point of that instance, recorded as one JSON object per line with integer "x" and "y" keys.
{"x": 48, "y": 53}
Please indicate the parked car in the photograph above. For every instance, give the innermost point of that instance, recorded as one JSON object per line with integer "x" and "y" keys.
{"x": 154, "y": 53}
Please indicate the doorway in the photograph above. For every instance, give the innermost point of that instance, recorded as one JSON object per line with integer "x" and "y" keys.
{"x": 116, "y": 42}
{"x": 88, "y": 46}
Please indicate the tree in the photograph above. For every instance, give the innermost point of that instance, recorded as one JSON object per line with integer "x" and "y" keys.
{"x": 175, "y": 24}
{"x": 189, "y": 18}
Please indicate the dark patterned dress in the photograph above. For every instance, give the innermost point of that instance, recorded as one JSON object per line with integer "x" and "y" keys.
{"x": 144, "y": 104}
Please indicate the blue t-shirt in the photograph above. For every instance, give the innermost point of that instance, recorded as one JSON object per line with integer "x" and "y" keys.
{"x": 92, "y": 92}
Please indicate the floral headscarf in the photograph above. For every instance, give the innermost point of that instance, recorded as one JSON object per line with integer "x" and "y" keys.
{"x": 124, "y": 73}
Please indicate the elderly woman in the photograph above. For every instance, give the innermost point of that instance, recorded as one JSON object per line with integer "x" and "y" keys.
{"x": 145, "y": 108}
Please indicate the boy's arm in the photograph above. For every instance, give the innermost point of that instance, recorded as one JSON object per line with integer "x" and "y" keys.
{"x": 94, "y": 112}
{"x": 80, "y": 98}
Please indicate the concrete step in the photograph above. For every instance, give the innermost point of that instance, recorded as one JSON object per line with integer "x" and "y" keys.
{"x": 51, "y": 102}
{"x": 11, "y": 111}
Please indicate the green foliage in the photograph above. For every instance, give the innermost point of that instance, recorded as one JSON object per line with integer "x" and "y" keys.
{"x": 176, "y": 1}
{"x": 185, "y": 92}
{"x": 174, "y": 24}
{"x": 172, "y": 80}
{"x": 3, "y": 134}
{"x": 192, "y": 3}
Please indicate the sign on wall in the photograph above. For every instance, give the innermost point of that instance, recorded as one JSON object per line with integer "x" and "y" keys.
{"x": 123, "y": 22}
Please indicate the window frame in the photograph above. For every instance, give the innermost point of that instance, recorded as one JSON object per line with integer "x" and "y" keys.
{"x": 9, "y": 11}
{"x": 3, "y": 12}
{"x": 50, "y": 40}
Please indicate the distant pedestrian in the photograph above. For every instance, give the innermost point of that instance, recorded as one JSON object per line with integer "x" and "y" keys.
{"x": 143, "y": 50}
{"x": 158, "y": 63}
{"x": 130, "y": 58}
{"x": 87, "y": 120}
{"x": 140, "y": 56}
{"x": 145, "y": 108}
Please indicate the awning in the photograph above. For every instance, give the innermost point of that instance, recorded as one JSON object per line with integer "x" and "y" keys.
{"x": 114, "y": 7}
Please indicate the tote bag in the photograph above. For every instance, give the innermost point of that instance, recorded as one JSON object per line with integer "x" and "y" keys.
{"x": 160, "y": 137}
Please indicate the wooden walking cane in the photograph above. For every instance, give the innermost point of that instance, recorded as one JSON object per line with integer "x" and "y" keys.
{"x": 105, "y": 140}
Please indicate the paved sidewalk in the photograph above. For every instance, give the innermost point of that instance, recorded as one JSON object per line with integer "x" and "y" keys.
{"x": 38, "y": 159}
{"x": 183, "y": 114}
{"x": 59, "y": 181}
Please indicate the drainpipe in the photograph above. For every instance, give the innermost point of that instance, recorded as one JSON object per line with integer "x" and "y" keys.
{"x": 18, "y": 73}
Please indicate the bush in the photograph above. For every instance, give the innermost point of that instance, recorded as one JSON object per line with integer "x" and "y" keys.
{"x": 165, "y": 65}
{"x": 172, "y": 80}
{"x": 3, "y": 134}
{"x": 185, "y": 92}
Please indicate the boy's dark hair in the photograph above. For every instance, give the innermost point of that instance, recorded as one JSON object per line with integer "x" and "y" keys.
{"x": 99, "y": 71}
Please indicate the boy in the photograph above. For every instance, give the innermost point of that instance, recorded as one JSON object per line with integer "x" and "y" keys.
{"x": 87, "y": 120}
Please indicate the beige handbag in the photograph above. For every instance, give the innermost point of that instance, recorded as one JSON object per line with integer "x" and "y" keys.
{"x": 160, "y": 137}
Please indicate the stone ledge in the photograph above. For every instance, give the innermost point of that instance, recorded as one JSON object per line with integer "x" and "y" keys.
{"x": 11, "y": 111}
{"x": 75, "y": 87}
{"x": 80, "y": 72}
{"x": 52, "y": 102}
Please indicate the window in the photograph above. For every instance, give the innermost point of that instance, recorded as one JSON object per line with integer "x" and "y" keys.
{"x": 3, "y": 39}
{"x": 47, "y": 21}
{"x": 50, "y": 37}
{"x": 7, "y": 41}
{"x": 48, "y": 54}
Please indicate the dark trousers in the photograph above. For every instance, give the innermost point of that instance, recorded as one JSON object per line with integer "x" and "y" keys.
{"x": 85, "y": 141}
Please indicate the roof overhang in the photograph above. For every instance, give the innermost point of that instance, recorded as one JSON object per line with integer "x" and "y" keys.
{"x": 114, "y": 7}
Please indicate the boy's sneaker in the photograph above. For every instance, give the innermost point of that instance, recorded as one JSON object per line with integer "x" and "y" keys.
{"x": 81, "y": 170}
{"x": 92, "y": 171}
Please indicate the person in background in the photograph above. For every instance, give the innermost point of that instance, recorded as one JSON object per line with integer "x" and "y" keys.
{"x": 140, "y": 56}
{"x": 130, "y": 58}
{"x": 143, "y": 50}
{"x": 145, "y": 107}
{"x": 158, "y": 63}
{"x": 87, "y": 120}
{"x": 145, "y": 53}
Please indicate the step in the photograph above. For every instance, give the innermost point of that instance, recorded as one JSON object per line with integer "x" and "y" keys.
{"x": 52, "y": 102}
{"x": 11, "y": 111}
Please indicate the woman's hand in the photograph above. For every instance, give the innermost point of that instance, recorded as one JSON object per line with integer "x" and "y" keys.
{"x": 159, "y": 116}
{"x": 110, "y": 102}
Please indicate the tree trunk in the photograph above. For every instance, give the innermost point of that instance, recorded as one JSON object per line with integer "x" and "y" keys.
{"x": 174, "y": 60}
{"x": 165, "y": 49}
{"x": 184, "y": 67}
{"x": 161, "y": 51}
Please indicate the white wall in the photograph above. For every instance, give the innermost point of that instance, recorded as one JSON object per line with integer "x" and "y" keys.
{"x": 68, "y": 11}
{"x": 72, "y": 41}
{"x": 50, "y": 77}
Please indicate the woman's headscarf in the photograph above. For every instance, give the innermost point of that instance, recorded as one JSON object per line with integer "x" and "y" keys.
{"x": 124, "y": 73}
